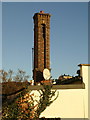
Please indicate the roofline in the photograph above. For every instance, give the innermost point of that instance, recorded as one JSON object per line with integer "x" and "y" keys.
{"x": 41, "y": 14}
{"x": 84, "y": 65}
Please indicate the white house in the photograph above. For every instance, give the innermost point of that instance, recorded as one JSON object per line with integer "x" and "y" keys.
{"x": 73, "y": 100}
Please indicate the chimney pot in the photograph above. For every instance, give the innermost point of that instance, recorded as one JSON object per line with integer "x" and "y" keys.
{"x": 41, "y": 11}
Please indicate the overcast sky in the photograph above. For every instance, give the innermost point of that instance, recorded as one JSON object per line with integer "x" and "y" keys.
{"x": 68, "y": 35}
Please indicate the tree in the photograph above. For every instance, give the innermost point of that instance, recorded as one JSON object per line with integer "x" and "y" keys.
{"x": 10, "y": 73}
{"x": 3, "y": 75}
{"x": 46, "y": 95}
{"x": 21, "y": 103}
{"x": 26, "y": 107}
{"x": 21, "y": 76}
{"x": 10, "y": 76}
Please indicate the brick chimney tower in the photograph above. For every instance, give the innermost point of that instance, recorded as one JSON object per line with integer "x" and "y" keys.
{"x": 41, "y": 45}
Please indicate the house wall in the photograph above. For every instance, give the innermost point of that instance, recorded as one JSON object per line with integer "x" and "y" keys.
{"x": 89, "y": 93}
{"x": 71, "y": 103}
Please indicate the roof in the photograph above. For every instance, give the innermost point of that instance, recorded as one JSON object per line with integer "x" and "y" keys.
{"x": 84, "y": 65}
{"x": 9, "y": 88}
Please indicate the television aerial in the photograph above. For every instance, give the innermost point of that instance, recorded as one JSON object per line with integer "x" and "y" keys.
{"x": 46, "y": 74}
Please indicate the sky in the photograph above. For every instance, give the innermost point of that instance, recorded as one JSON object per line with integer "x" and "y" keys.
{"x": 68, "y": 35}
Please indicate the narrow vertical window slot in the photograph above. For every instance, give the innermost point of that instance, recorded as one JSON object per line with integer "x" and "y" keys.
{"x": 44, "y": 39}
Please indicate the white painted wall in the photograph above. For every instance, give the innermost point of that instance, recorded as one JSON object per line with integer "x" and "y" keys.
{"x": 85, "y": 75}
{"x": 71, "y": 103}
{"x": 89, "y": 93}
